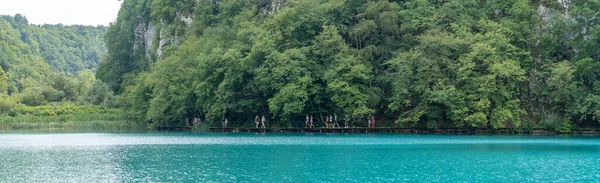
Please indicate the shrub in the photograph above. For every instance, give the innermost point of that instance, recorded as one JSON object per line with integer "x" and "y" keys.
{"x": 551, "y": 122}
{"x": 33, "y": 97}
{"x": 7, "y": 106}
{"x": 566, "y": 126}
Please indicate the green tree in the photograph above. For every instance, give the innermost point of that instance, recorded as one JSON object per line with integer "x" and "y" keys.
{"x": 3, "y": 81}
{"x": 100, "y": 94}
{"x": 124, "y": 55}
{"x": 347, "y": 78}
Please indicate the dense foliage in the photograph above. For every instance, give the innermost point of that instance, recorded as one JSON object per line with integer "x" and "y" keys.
{"x": 418, "y": 63}
{"x": 48, "y": 65}
{"x": 68, "y": 49}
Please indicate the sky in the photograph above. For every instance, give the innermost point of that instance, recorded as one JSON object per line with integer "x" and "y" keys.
{"x": 67, "y": 12}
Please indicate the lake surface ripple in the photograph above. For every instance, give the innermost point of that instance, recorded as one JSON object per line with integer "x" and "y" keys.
{"x": 249, "y": 157}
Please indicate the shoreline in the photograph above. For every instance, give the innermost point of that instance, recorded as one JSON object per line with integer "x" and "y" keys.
{"x": 73, "y": 125}
{"x": 97, "y": 121}
{"x": 133, "y": 126}
{"x": 449, "y": 131}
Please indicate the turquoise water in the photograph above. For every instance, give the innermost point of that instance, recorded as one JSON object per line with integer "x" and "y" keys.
{"x": 245, "y": 157}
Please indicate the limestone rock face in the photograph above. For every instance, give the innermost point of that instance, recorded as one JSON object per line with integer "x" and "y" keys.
{"x": 154, "y": 34}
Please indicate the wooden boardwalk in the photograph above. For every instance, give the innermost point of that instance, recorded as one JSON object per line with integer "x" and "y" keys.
{"x": 584, "y": 131}
{"x": 345, "y": 130}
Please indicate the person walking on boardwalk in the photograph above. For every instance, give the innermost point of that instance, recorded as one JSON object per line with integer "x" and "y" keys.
{"x": 311, "y": 122}
{"x": 331, "y": 121}
{"x": 256, "y": 120}
{"x": 327, "y": 121}
{"x": 307, "y": 121}
{"x": 346, "y": 121}
{"x": 373, "y": 121}
{"x": 225, "y": 123}
{"x": 263, "y": 122}
{"x": 335, "y": 122}
{"x": 369, "y": 121}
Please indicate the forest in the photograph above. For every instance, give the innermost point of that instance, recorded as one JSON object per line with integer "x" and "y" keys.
{"x": 49, "y": 70}
{"x": 419, "y": 63}
{"x": 422, "y": 63}
{"x": 519, "y": 64}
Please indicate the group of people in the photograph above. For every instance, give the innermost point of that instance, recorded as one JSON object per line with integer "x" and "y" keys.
{"x": 256, "y": 120}
{"x": 371, "y": 121}
{"x": 330, "y": 122}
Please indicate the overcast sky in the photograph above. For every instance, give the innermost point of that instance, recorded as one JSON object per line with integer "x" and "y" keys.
{"x": 68, "y": 12}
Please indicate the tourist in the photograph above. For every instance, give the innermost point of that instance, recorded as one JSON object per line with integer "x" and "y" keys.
{"x": 311, "y": 122}
{"x": 369, "y": 121}
{"x": 326, "y": 121}
{"x": 256, "y": 119}
{"x": 346, "y": 121}
{"x": 373, "y": 121}
{"x": 263, "y": 121}
{"x": 225, "y": 123}
{"x": 306, "y": 122}
{"x": 335, "y": 121}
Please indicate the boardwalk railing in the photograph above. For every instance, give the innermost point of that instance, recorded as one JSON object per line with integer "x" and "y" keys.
{"x": 173, "y": 128}
{"x": 594, "y": 131}
{"x": 318, "y": 130}
{"x": 406, "y": 130}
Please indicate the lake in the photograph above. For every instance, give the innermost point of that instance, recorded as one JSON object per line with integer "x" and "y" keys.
{"x": 249, "y": 157}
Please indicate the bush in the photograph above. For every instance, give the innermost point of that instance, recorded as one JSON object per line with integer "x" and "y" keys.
{"x": 7, "y": 106}
{"x": 52, "y": 95}
{"x": 33, "y": 97}
{"x": 100, "y": 94}
{"x": 557, "y": 123}
{"x": 566, "y": 126}
{"x": 551, "y": 122}
{"x": 528, "y": 125}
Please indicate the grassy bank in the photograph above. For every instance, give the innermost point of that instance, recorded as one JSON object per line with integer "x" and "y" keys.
{"x": 65, "y": 116}
{"x": 70, "y": 122}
